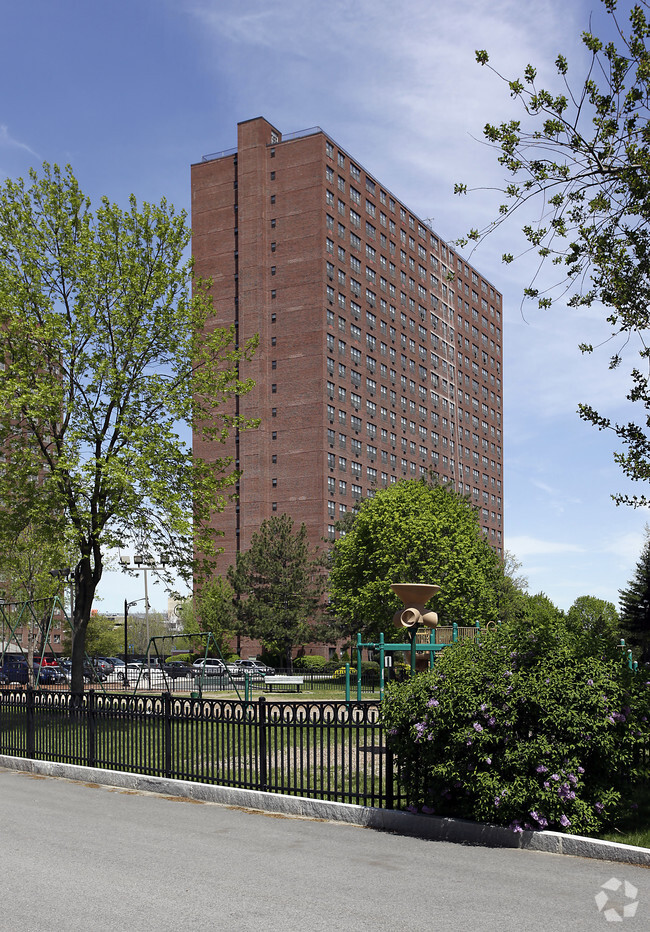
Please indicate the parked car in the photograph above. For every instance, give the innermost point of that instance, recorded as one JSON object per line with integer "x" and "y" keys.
{"x": 16, "y": 671}
{"x": 210, "y": 667}
{"x": 177, "y": 668}
{"x": 64, "y": 672}
{"x": 253, "y": 667}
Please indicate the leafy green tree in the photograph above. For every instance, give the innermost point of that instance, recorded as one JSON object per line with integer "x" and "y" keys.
{"x": 536, "y": 611}
{"x": 581, "y": 158}
{"x": 413, "y": 531}
{"x": 590, "y": 617}
{"x": 105, "y": 352}
{"x": 635, "y": 606}
{"x": 27, "y": 564}
{"x": 104, "y": 637}
{"x": 511, "y": 588}
{"x": 212, "y": 610}
{"x": 280, "y": 585}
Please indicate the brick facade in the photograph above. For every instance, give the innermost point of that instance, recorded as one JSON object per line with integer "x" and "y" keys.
{"x": 380, "y": 347}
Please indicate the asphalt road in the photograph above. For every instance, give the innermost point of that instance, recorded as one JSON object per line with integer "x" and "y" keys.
{"x": 83, "y": 858}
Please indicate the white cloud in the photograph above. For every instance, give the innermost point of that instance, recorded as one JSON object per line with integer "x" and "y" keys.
{"x": 400, "y": 90}
{"x": 525, "y": 546}
{"x": 7, "y": 141}
{"x": 627, "y": 547}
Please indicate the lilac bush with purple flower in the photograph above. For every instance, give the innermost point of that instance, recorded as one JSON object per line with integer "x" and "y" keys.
{"x": 534, "y": 728}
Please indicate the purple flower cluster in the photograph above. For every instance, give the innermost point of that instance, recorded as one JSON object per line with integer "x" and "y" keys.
{"x": 564, "y": 791}
{"x": 541, "y": 820}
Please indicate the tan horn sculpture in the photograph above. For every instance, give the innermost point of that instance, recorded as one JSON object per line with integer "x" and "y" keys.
{"x": 414, "y": 614}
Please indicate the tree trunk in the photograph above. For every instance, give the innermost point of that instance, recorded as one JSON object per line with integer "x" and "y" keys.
{"x": 85, "y": 586}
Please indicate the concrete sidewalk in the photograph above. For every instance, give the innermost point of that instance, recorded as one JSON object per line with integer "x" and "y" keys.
{"x": 79, "y": 856}
{"x": 433, "y": 828}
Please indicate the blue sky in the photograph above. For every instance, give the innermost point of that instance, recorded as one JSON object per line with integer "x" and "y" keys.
{"x": 131, "y": 93}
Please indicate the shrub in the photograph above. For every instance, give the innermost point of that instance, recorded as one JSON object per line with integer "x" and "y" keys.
{"x": 369, "y": 672}
{"x": 310, "y": 664}
{"x": 518, "y": 729}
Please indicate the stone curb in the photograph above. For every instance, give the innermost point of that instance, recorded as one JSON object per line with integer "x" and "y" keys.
{"x": 432, "y": 828}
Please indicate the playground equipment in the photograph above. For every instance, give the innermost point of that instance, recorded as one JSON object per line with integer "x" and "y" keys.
{"x": 38, "y": 616}
{"x": 414, "y": 596}
{"x": 156, "y": 646}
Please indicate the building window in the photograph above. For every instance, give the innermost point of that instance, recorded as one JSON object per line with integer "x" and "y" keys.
{"x": 274, "y": 412}
{"x": 274, "y": 435}
{"x": 272, "y": 270}
{"x": 274, "y": 388}
{"x": 274, "y": 506}
{"x": 274, "y": 483}
{"x": 273, "y": 223}
{"x": 274, "y": 364}
{"x": 273, "y": 294}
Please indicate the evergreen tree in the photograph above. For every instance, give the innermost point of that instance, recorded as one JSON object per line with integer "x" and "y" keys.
{"x": 635, "y": 606}
{"x": 280, "y": 585}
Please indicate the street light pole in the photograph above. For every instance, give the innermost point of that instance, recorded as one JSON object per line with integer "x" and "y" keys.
{"x": 126, "y": 643}
{"x": 127, "y": 606}
{"x": 140, "y": 564}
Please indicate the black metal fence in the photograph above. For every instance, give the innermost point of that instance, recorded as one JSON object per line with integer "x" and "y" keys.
{"x": 329, "y": 750}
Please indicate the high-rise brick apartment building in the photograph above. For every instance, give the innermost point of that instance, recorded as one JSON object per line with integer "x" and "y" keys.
{"x": 380, "y": 347}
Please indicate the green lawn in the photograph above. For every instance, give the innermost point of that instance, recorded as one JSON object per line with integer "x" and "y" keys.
{"x": 635, "y": 828}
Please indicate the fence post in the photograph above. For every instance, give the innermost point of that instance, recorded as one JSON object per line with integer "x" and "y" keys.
{"x": 31, "y": 723}
{"x": 390, "y": 776}
{"x": 261, "y": 726}
{"x": 167, "y": 732}
{"x": 92, "y": 727}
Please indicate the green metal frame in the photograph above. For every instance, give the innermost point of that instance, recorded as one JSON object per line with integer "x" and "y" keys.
{"x": 383, "y": 647}
{"x": 209, "y": 638}
{"x": 41, "y": 620}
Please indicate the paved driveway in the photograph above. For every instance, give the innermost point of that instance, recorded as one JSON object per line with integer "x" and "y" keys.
{"x": 83, "y": 858}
